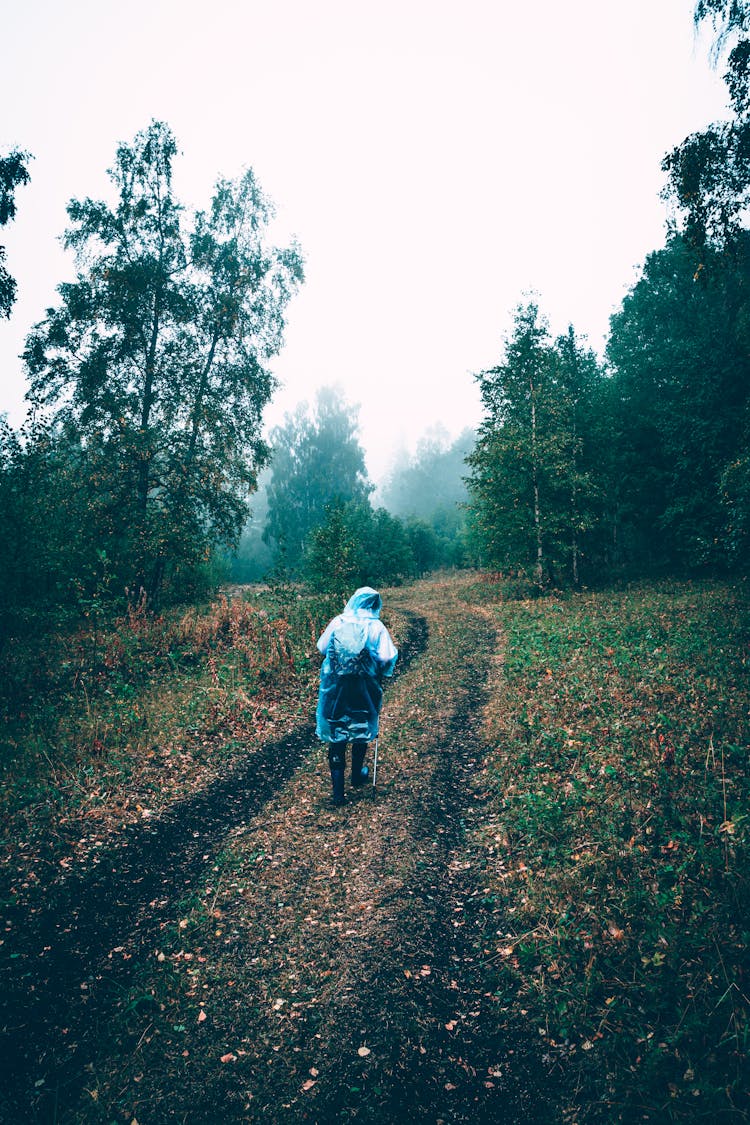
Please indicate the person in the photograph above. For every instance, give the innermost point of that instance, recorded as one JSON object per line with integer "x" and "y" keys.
{"x": 358, "y": 653}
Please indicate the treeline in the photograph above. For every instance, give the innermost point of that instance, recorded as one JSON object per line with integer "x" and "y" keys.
{"x": 314, "y": 518}
{"x": 149, "y": 378}
{"x": 587, "y": 470}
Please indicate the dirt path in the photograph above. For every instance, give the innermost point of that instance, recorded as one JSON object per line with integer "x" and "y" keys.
{"x": 335, "y": 968}
{"x": 440, "y": 1046}
{"x": 67, "y": 957}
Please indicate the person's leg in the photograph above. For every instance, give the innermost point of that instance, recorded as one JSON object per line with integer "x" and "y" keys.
{"x": 360, "y": 772}
{"x": 336, "y": 760}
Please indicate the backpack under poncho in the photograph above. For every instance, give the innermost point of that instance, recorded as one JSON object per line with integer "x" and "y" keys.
{"x": 347, "y": 652}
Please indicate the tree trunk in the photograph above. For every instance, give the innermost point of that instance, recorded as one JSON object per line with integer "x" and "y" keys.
{"x": 144, "y": 450}
{"x": 574, "y": 502}
{"x": 539, "y": 565}
{"x": 198, "y": 404}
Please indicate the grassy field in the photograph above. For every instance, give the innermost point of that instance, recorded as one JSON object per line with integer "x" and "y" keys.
{"x": 544, "y": 914}
{"x": 618, "y": 842}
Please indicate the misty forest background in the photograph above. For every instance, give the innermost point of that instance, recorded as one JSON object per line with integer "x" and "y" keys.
{"x": 141, "y": 472}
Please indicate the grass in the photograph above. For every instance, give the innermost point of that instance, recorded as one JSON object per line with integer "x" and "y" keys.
{"x": 595, "y": 876}
{"x": 618, "y": 844}
{"x": 105, "y": 724}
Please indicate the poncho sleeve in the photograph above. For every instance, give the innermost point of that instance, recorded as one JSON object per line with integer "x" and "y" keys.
{"x": 382, "y": 648}
{"x": 326, "y": 635}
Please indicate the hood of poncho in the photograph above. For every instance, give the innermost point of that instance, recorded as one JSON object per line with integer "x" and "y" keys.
{"x": 365, "y": 601}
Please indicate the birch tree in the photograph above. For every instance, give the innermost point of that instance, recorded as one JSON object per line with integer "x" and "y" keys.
{"x": 581, "y": 442}
{"x": 708, "y": 175}
{"x": 535, "y": 484}
{"x": 157, "y": 358}
{"x": 507, "y": 463}
{"x": 13, "y": 174}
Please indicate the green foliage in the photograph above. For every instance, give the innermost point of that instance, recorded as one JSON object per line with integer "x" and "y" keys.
{"x": 49, "y": 554}
{"x": 427, "y": 551}
{"x": 535, "y": 481}
{"x": 506, "y": 462}
{"x": 358, "y": 546}
{"x": 335, "y": 552}
{"x": 709, "y": 185}
{"x": 621, "y": 784}
{"x": 13, "y": 173}
{"x": 317, "y": 462}
{"x": 580, "y": 476}
{"x": 708, "y": 174}
{"x": 388, "y": 552}
{"x": 735, "y": 487}
{"x": 679, "y": 348}
{"x": 726, "y": 15}
{"x": 155, "y": 360}
{"x": 584, "y": 476}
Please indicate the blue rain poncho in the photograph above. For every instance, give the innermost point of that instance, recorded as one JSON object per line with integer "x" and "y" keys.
{"x": 358, "y": 653}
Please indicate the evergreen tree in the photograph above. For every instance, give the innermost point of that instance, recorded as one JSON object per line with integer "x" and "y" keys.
{"x": 427, "y": 551}
{"x": 334, "y": 556}
{"x": 508, "y": 464}
{"x": 679, "y": 348}
{"x": 358, "y": 546}
{"x": 582, "y": 441}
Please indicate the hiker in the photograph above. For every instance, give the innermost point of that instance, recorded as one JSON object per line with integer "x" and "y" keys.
{"x": 358, "y": 653}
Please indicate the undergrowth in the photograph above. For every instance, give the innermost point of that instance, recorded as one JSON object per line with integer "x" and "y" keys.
{"x": 110, "y": 721}
{"x": 608, "y": 845}
{"x": 618, "y": 845}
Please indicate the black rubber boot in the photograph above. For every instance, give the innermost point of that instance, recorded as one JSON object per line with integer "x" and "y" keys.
{"x": 360, "y": 772}
{"x": 337, "y": 781}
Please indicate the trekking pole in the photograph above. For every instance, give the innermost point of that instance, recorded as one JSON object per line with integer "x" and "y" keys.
{"x": 375, "y": 766}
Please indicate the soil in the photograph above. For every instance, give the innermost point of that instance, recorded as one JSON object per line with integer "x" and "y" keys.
{"x": 346, "y": 976}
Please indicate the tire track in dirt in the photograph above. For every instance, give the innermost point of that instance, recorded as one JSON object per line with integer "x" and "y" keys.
{"x": 67, "y": 958}
{"x": 441, "y": 1046}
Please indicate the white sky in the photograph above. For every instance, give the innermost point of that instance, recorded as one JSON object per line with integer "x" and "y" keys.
{"x": 436, "y": 159}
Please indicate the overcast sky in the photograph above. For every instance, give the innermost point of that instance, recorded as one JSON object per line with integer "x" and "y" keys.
{"x": 436, "y": 160}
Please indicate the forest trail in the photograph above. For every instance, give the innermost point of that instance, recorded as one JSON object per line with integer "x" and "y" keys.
{"x": 255, "y": 955}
